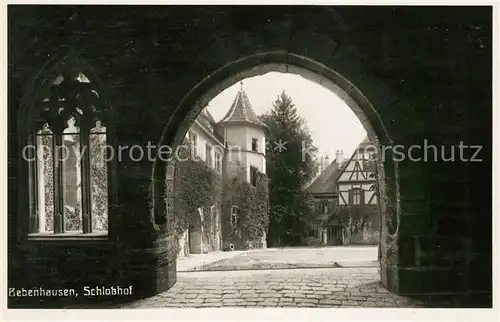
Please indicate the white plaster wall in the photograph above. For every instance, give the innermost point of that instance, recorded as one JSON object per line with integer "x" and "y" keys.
{"x": 236, "y": 136}
{"x": 203, "y": 139}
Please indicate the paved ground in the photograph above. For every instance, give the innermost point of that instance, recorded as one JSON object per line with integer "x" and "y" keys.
{"x": 335, "y": 287}
{"x": 282, "y": 258}
{"x": 349, "y": 286}
{"x": 235, "y": 283}
{"x": 196, "y": 261}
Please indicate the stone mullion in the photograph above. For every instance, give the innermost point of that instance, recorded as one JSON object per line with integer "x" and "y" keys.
{"x": 34, "y": 213}
{"x": 59, "y": 198}
{"x": 86, "y": 180}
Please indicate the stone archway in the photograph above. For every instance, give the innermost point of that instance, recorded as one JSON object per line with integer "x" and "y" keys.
{"x": 267, "y": 62}
{"x": 439, "y": 243}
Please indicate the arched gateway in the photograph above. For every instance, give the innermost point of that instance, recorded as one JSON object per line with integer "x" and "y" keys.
{"x": 155, "y": 68}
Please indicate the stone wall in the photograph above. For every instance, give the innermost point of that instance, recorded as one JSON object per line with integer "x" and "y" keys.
{"x": 409, "y": 73}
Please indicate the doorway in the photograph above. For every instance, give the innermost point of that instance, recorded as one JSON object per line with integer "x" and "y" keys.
{"x": 334, "y": 234}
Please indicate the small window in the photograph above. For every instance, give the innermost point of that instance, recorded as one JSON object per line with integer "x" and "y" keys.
{"x": 255, "y": 145}
{"x": 193, "y": 140}
{"x": 218, "y": 162}
{"x": 253, "y": 175}
{"x": 323, "y": 206}
{"x": 319, "y": 205}
{"x": 235, "y": 212}
{"x": 356, "y": 196}
{"x": 208, "y": 155}
{"x": 369, "y": 165}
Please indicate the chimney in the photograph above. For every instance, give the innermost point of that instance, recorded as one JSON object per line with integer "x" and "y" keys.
{"x": 327, "y": 161}
{"x": 339, "y": 154}
{"x": 321, "y": 165}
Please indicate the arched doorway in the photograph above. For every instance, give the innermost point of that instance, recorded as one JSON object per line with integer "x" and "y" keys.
{"x": 260, "y": 64}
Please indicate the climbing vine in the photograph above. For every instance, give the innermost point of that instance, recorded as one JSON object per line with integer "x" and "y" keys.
{"x": 253, "y": 202}
{"x": 196, "y": 186}
{"x": 353, "y": 219}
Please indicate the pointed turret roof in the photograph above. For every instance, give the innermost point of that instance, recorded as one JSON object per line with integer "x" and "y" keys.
{"x": 241, "y": 111}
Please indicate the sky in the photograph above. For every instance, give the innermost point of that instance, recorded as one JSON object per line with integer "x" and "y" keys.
{"x": 333, "y": 125}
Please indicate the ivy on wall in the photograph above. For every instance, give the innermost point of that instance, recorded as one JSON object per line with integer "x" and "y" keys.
{"x": 253, "y": 203}
{"x": 196, "y": 186}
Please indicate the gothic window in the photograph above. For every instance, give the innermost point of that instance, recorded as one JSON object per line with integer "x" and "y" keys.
{"x": 67, "y": 162}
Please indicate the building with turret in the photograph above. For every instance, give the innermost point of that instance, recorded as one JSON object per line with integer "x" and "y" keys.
{"x": 235, "y": 149}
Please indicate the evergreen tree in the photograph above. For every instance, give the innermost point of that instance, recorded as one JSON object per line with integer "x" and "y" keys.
{"x": 289, "y": 170}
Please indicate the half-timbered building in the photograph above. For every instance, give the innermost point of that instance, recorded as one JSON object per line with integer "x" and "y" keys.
{"x": 346, "y": 200}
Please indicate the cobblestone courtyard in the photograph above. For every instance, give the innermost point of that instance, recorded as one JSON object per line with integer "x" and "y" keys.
{"x": 337, "y": 287}
{"x": 237, "y": 283}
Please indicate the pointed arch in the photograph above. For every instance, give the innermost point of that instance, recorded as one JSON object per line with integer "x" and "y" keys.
{"x": 65, "y": 61}
{"x": 67, "y": 126}
{"x": 258, "y": 64}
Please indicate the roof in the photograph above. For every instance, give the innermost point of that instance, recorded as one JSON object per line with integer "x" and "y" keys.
{"x": 207, "y": 121}
{"x": 241, "y": 112}
{"x": 365, "y": 143}
{"x": 206, "y": 115}
{"x": 326, "y": 182}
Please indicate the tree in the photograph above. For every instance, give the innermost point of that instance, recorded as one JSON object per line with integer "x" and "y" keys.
{"x": 289, "y": 168}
